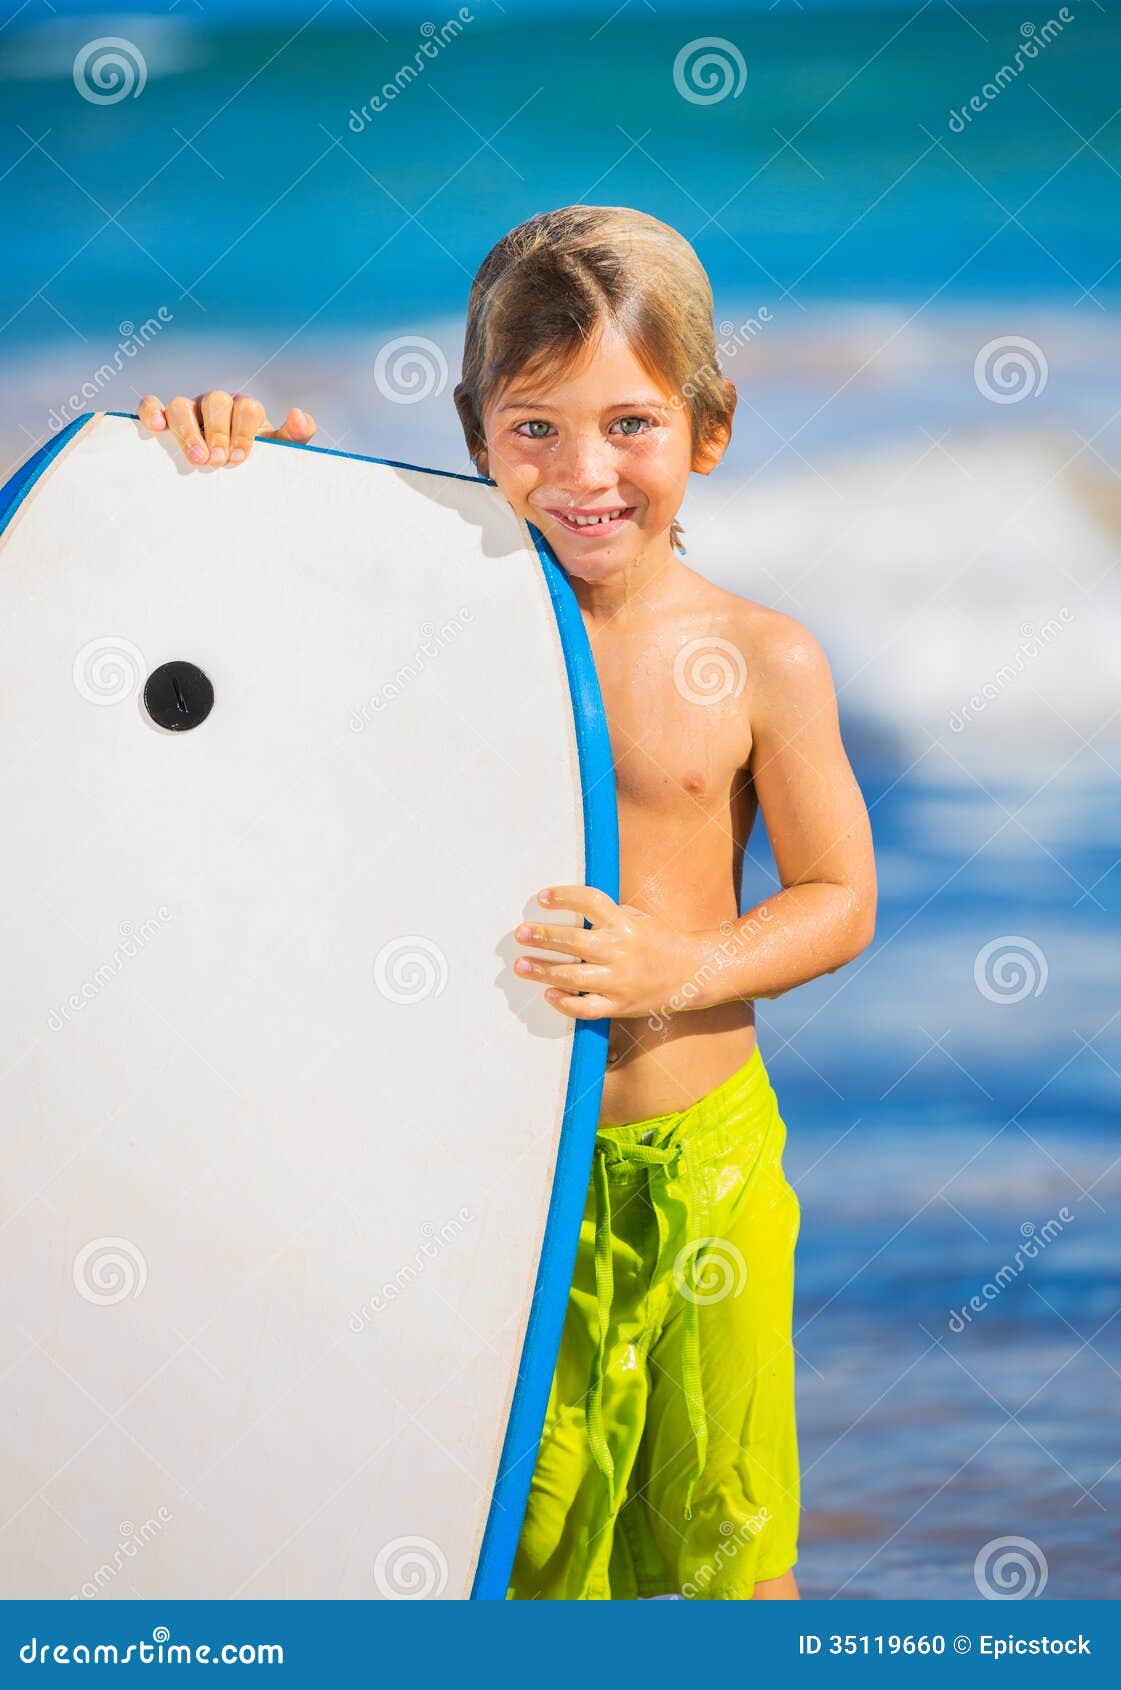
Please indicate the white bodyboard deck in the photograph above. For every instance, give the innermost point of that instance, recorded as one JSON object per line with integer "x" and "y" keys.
{"x": 283, "y": 1136}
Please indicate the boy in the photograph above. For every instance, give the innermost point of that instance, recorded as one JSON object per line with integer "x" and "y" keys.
{"x": 590, "y": 391}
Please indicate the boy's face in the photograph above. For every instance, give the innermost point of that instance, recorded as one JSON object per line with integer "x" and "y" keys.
{"x": 602, "y": 441}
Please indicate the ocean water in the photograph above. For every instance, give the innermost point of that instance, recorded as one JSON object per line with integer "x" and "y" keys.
{"x": 953, "y": 1095}
{"x": 240, "y": 185}
{"x": 935, "y": 1127}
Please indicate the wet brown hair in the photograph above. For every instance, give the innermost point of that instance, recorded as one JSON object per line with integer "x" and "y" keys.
{"x": 541, "y": 294}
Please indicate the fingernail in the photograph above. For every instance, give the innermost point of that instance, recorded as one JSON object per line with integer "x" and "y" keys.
{"x": 158, "y": 422}
{"x": 197, "y": 453}
{"x": 299, "y": 419}
{"x": 544, "y": 897}
{"x": 523, "y": 932}
{"x": 218, "y": 454}
{"x": 237, "y": 455}
{"x": 522, "y": 966}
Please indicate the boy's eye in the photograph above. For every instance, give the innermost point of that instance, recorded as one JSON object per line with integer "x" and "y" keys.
{"x": 536, "y": 428}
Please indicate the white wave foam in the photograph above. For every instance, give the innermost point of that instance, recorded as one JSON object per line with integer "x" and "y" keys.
{"x": 931, "y": 540}
{"x": 968, "y": 596}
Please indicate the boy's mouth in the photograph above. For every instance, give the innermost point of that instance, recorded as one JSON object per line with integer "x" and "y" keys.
{"x": 593, "y": 523}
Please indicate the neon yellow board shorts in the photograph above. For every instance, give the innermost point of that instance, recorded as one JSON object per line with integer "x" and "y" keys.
{"x": 668, "y": 1464}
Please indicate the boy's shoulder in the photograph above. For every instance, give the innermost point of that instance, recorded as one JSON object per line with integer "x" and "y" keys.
{"x": 770, "y": 641}
{"x": 785, "y": 671}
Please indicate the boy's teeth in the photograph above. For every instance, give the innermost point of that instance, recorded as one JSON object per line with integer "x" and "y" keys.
{"x": 586, "y": 521}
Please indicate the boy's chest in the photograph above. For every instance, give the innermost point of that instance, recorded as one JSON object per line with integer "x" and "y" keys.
{"x": 678, "y": 738}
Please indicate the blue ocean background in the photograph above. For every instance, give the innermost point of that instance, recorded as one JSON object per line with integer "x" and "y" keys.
{"x": 922, "y": 319}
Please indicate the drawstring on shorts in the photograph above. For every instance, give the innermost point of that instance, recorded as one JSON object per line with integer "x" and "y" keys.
{"x": 652, "y": 1156}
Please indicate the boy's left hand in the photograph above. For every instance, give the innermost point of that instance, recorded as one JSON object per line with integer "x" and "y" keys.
{"x": 627, "y": 963}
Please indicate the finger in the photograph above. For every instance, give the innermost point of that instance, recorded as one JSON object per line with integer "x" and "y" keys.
{"x": 248, "y": 422}
{"x": 297, "y": 426}
{"x": 587, "y": 900}
{"x": 572, "y": 940}
{"x": 588, "y": 1008}
{"x": 571, "y": 976}
{"x": 217, "y": 415}
{"x": 150, "y": 412}
{"x": 183, "y": 420}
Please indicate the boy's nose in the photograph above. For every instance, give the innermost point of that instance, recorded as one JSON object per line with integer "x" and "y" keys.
{"x": 585, "y": 467}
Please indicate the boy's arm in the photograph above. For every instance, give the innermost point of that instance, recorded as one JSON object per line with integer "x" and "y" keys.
{"x": 632, "y": 963}
{"x": 818, "y": 827}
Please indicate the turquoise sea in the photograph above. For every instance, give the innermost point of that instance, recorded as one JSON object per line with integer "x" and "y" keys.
{"x": 244, "y": 198}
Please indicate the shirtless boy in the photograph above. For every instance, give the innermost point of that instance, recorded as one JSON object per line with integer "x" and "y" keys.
{"x": 590, "y": 391}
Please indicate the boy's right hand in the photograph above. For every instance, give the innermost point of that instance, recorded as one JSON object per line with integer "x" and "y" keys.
{"x": 219, "y": 428}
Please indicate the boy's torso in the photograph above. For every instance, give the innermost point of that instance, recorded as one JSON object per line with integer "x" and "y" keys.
{"x": 676, "y": 688}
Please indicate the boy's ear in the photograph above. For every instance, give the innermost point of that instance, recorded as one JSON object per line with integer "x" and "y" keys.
{"x": 482, "y": 464}
{"x": 710, "y": 451}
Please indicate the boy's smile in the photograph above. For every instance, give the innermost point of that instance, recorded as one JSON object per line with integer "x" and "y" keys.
{"x": 597, "y": 457}
{"x": 594, "y": 525}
